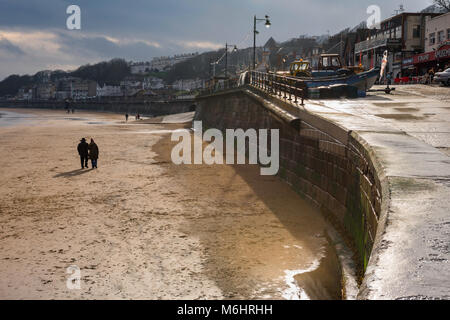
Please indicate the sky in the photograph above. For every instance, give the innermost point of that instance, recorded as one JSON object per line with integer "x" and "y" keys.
{"x": 34, "y": 35}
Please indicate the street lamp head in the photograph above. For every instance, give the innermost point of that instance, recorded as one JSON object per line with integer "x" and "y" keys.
{"x": 235, "y": 49}
{"x": 267, "y": 22}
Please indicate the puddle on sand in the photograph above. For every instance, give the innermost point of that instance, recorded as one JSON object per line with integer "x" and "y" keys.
{"x": 76, "y": 119}
{"x": 400, "y": 116}
{"x": 319, "y": 282}
{"x": 407, "y": 109}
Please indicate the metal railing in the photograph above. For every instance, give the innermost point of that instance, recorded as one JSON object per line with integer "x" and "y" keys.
{"x": 287, "y": 88}
{"x": 220, "y": 85}
{"x": 283, "y": 87}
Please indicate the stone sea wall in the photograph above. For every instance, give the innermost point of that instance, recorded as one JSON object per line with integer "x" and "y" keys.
{"x": 154, "y": 108}
{"x": 325, "y": 164}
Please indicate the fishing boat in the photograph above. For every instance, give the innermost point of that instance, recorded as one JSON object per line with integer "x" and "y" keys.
{"x": 363, "y": 81}
{"x": 330, "y": 71}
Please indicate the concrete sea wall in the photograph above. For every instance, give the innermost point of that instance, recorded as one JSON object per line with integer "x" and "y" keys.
{"x": 327, "y": 165}
{"x": 146, "y": 108}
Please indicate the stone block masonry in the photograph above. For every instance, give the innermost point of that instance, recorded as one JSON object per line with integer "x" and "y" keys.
{"x": 322, "y": 163}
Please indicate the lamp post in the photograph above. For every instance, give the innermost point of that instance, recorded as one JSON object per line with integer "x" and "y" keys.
{"x": 226, "y": 56}
{"x": 255, "y": 32}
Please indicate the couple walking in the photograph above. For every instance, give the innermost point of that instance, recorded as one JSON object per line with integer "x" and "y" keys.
{"x": 88, "y": 151}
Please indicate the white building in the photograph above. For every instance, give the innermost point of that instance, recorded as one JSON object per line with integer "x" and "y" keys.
{"x": 109, "y": 91}
{"x": 140, "y": 68}
{"x": 153, "y": 83}
{"x": 188, "y": 84}
{"x": 130, "y": 86}
{"x": 437, "y": 31}
{"x": 25, "y": 93}
{"x": 160, "y": 63}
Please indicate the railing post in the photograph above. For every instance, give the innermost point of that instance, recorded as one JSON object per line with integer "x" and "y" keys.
{"x": 295, "y": 92}
{"x": 266, "y": 76}
{"x": 290, "y": 92}
{"x": 271, "y": 83}
{"x": 280, "y": 89}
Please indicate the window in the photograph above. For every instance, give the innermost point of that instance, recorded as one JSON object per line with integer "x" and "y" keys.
{"x": 303, "y": 66}
{"x": 432, "y": 38}
{"x": 441, "y": 36}
{"x": 416, "y": 31}
{"x": 335, "y": 62}
{"x": 448, "y": 34}
{"x": 398, "y": 32}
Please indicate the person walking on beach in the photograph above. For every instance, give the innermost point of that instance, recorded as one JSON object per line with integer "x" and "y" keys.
{"x": 83, "y": 151}
{"x": 66, "y": 102}
{"x": 93, "y": 153}
{"x": 126, "y": 117}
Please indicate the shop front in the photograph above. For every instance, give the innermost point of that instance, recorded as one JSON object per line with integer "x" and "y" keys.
{"x": 437, "y": 60}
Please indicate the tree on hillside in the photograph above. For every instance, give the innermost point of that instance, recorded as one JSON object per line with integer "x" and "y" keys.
{"x": 12, "y": 84}
{"x": 443, "y": 4}
{"x": 111, "y": 72}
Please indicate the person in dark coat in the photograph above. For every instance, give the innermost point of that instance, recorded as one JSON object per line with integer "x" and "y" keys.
{"x": 93, "y": 153}
{"x": 83, "y": 151}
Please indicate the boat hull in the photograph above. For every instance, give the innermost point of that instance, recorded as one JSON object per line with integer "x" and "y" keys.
{"x": 363, "y": 81}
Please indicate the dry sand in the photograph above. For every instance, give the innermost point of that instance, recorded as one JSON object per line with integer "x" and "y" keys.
{"x": 140, "y": 227}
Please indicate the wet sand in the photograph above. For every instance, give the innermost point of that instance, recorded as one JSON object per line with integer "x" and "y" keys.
{"x": 141, "y": 227}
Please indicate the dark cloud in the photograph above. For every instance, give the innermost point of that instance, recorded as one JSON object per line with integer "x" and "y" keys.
{"x": 7, "y": 47}
{"x": 105, "y": 47}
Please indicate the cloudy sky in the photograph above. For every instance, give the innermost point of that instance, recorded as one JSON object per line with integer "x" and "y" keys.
{"x": 34, "y": 36}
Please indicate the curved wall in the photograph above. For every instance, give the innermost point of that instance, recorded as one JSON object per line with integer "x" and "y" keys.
{"x": 324, "y": 163}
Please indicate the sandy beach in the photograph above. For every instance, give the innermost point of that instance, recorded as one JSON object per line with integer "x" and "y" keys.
{"x": 140, "y": 227}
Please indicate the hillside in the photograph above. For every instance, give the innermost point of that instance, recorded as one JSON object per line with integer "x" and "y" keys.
{"x": 111, "y": 72}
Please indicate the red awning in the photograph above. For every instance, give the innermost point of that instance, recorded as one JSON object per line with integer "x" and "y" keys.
{"x": 442, "y": 53}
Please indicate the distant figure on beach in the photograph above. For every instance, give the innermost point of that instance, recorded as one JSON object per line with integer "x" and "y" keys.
{"x": 67, "y": 103}
{"x": 126, "y": 117}
{"x": 73, "y": 110}
{"x": 93, "y": 153}
{"x": 83, "y": 151}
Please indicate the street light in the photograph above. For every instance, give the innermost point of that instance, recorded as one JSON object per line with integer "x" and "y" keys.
{"x": 226, "y": 56}
{"x": 255, "y": 32}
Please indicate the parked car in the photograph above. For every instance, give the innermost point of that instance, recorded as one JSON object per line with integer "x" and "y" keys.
{"x": 443, "y": 77}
